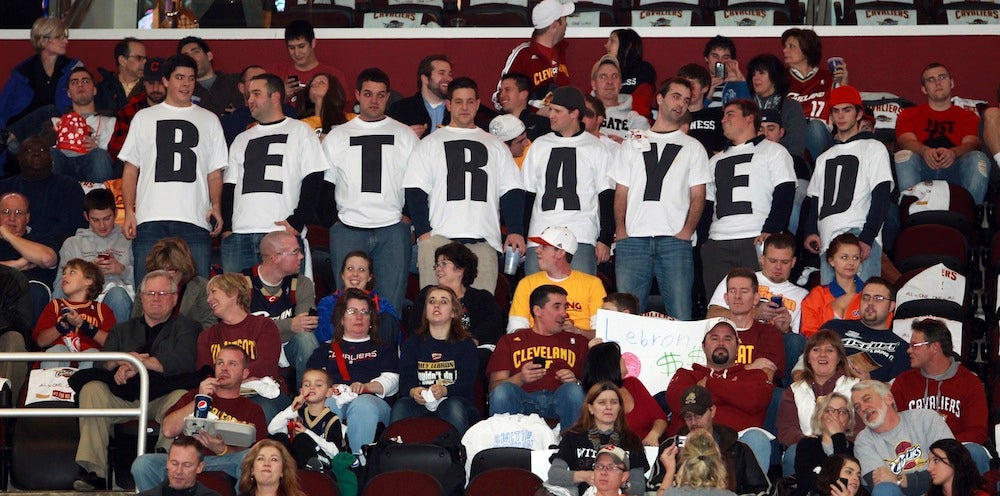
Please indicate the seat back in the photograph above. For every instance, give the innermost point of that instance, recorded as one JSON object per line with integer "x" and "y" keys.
{"x": 416, "y": 483}
{"x": 422, "y": 430}
{"x": 504, "y": 481}
{"x": 319, "y": 483}
{"x": 219, "y": 482}
{"x": 45, "y": 442}
{"x": 446, "y": 465}
{"x": 499, "y": 458}
{"x": 325, "y": 14}
{"x": 926, "y": 245}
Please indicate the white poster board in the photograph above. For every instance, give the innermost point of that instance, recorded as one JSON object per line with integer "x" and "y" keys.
{"x": 653, "y": 348}
{"x": 50, "y": 385}
{"x": 904, "y": 329}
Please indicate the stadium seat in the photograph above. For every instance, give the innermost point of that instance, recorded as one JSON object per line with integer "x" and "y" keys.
{"x": 497, "y": 458}
{"x": 879, "y": 13}
{"x": 416, "y": 483}
{"x": 492, "y": 14}
{"x": 670, "y": 13}
{"x": 419, "y": 430}
{"x": 321, "y": 14}
{"x": 45, "y": 442}
{"x": 121, "y": 451}
{"x": 594, "y": 14}
{"x": 318, "y": 483}
{"x": 757, "y": 13}
{"x": 219, "y": 482}
{"x": 503, "y": 482}
{"x": 423, "y": 11}
{"x": 960, "y": 12}
{"x": 925, "y": 245}
{"x": 961, "y": 213}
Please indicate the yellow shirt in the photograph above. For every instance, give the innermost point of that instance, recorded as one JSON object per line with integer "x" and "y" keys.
{"x": 585, "y": 296}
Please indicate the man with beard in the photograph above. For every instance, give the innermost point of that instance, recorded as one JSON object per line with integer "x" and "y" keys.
{"x": 741, "y": 394}
{"x": 426, "y": 111}
{"x": 894, "y": 447}
{"x": 880, "y": 352}
{"x": 154, "y": 93}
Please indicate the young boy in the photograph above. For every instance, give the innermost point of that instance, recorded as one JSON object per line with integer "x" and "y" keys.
{"x": 75, "y": 323}
{"x": 104, "y": 244}
{"x": 317, "y": 436}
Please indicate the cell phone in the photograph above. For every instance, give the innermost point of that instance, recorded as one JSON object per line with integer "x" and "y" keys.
{"x": 293, "y": 78}
{"x": 778, "y": 301}
{"x": 313, "y": 312}
{"x": 720, "y": 70}
{"x": 842, "y": 481}
{"x": 680, "y": 440}
{"x": 538, "y": 361}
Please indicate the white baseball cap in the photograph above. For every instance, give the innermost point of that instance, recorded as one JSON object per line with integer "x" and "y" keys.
{"x": 559, "y": 237}
{"x": 506, "y": 127}
{"x": 549, "y": 11}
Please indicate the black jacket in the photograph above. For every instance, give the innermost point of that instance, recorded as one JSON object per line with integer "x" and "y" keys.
{"x": 744, "y": 472}
{"x": 411, "y": 111}
{"x": 111, "y": 95}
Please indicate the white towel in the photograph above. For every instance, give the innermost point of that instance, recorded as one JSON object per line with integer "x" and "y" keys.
{"x": 343, "y": 395}
{"x": 431, "y": 402}
{"x": 265, "y": 386}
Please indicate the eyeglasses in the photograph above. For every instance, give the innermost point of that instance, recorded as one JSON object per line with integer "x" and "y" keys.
{"x": 140, "y": 58}
{"x": 154, "y": 294}
{"x": 920, "y": 344}
{"x": 442, "y": 264}
{"x": 939, "y": 78}
{"x": 840, "y": 412}
{"x": 607, "y": 468}
{"x": 355, "y": 311}
{"x": 16, "y": 213}
{"x": 876, "y": 298}
{"x": 296, "y": 252}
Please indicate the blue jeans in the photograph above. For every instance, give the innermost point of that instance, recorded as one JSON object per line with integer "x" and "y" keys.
{"x": 564, "y": 403}
{"x": 362, "y": 417}
{"x": 668, "y": 259}
{"x": 871, "y": 266}
{"x": 297, "y": 351}
{"x": 61, "y": 348}
{"x": 150, "y": 470}
{"x": 788, "y": 461}
{"x": 148, "y": 233}
{"x": 887, "y": 489}
{"x": 241, "y": 251}
{"x": 818, "y": 139}
{"x": 459, "y": 412}
{"x": 95, "y": 167}
{"x": 971, "y": 171}
{"x": 979, "y": 455}
{"x": 120, "y": 303}
{"x": 584, "y": 260}
{"x": 758, "y": 442}
{"x": 389, "y": 248}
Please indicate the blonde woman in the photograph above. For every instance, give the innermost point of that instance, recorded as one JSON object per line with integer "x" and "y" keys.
{"x": 38, "y": 87}
{"x": 699, "y": 470}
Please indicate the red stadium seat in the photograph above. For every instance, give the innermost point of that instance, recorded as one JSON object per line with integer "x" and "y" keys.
{"x": 393, "y": 483}
{"x": 503, "y": 482}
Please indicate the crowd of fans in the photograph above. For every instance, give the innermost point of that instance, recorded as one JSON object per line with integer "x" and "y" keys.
{"x": 716, "y": 184}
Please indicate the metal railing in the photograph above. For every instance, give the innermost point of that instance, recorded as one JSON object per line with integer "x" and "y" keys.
{"x": 139, "y": 412}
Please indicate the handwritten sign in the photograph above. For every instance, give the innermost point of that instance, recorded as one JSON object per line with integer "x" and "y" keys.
{"x": 653, "y": 348}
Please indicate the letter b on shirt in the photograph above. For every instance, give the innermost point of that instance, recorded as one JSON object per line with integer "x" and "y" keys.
{"x": 176, "y": 160}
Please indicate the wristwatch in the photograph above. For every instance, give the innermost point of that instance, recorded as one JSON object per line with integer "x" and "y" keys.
{"x": 899, "y": 480}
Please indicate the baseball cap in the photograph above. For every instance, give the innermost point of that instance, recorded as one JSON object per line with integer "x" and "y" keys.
{"x": 845, "y": 94}
{"x": 697, "y": 400}
{"x": 572, "y": 99}
{"x": 617, "y": 454}
{"x": 152, "y": 72}
{"x": 549, "y": 11}
{"x": 711, "y": 323}
{"x": 770, "y": 115}
{"x": 559, "y": 237}
{"x": 506, "y": 127}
